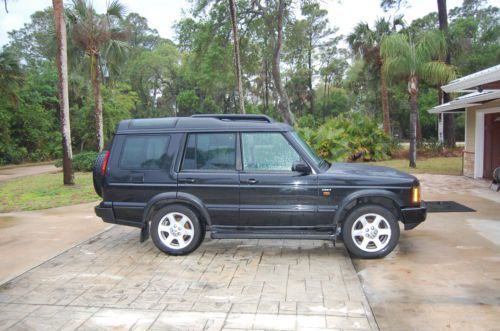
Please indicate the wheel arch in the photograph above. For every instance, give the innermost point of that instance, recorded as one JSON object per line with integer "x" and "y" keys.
{"x": 169, "y": 198}
{"x": 384, "y": 198}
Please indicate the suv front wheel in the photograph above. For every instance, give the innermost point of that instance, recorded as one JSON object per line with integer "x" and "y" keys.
{"x": 176, "y": 230}
{"x": 370, "y": 231}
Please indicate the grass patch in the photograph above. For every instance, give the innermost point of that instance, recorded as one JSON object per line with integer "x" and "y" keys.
{"x": 45, "y": 191}
{"x": 435, "y": 165}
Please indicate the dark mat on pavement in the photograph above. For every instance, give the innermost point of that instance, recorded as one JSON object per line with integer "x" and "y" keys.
{"x": 447, "y": 207}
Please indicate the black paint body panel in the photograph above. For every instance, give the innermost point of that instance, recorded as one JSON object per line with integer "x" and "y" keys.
{"x": 252, "y": 202}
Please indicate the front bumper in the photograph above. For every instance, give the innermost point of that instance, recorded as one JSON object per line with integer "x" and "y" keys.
{"x": 411, "y": 217}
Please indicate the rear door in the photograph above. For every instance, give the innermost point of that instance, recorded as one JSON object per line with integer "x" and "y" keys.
{"x": 271, "y": 194}
{"x": 139, "y": 168}
{"x": 208, "y": 171}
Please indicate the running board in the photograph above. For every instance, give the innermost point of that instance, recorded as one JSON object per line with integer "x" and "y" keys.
{"x": 309, "y": 235}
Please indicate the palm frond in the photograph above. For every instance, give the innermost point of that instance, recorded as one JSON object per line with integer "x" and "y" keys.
{"x": 431, "y": 46}
{"x": 437, "y": 72}
{"x": 116, "y": 9}
{"x": 395, "y": 45}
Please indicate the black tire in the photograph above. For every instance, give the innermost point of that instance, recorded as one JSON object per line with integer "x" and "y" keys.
{"x": 160, "y": 238}
{"x": 97, "y": 173}
{"x": 374, "y": 238}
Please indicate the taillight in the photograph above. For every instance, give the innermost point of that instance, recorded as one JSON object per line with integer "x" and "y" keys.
{"x": 105, "y": 164}
{"x": 415, "y": 196}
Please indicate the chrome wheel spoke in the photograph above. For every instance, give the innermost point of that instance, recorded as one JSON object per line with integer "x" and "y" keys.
{"x": 188, "y": 232}
{"x": 376, "y": 221}
{"x": 164, "y": 228}
{"x": 183, "y": 221}
{"x": 364, "y": 243}
{"x": 358, "y": 232}
{"x": 384, "y": 232}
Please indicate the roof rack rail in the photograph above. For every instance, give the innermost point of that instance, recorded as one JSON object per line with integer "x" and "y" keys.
{"x": 236, "y": 117}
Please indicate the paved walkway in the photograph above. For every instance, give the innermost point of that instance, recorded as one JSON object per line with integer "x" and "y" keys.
{"x": 113, "y": 281}
{"x": 30, "y": 238}
{"x": 7, "y": 173}
{"x": 444, "y": 274}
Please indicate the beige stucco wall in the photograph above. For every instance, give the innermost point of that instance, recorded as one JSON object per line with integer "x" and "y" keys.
{"x": 470, "y": 135}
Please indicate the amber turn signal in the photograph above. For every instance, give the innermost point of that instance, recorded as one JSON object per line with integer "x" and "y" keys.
{"x": 415, "y": 196}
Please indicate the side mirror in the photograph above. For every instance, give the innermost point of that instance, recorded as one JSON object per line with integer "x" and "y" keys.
{"x": 302, "y": 167}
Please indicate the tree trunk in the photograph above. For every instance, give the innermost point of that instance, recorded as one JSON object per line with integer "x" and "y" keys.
{"x": 310, "y": 75}
{"x": 413, "y": 91}
{"x": 385, "y": 104}
{"x": 236, "y": 49}
{"x": 62, "y": 69}
{"x": 96, "y": 87}
{"x": 266, "y": 82}
{"x": 283, "y": 102}
{"x": 448, "y": 119}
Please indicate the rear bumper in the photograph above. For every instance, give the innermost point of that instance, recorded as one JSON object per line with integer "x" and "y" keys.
{"x": 105, "y": 211}
{"x": 411, "y": 217}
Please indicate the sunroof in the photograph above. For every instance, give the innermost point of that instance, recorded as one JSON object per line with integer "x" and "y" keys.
{"x": 153, "y": 123}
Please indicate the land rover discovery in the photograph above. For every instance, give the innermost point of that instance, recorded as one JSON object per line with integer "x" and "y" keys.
{"x": 246, "y": 176}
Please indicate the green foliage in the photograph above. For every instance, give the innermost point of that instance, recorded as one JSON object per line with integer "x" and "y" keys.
{"x": 82, "y": 162}
{"x": 348, "y": 137}
{"x": 144, "y": 75}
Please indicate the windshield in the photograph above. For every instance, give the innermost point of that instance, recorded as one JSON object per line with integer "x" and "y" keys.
{"x": 312, "y": 154}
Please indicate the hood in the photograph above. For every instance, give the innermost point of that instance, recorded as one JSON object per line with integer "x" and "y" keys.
{"x": 377, "y": 173}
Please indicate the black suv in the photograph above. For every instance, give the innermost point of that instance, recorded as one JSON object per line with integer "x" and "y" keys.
{"x": 246, "y": 176}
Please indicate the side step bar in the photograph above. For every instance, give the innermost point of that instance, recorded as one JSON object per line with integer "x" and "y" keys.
{"x": 309, "y": 235}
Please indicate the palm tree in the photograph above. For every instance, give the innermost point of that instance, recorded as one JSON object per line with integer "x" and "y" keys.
{"x": 62, "y": 68}
{"x": 365, "y": 42}
{"x": 237, "y": 62}
{"x": 95, "y": 34}
{"x": 414, "y": 61}
{"x": 11, "y": 76}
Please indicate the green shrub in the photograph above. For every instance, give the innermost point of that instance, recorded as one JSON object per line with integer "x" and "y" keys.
{"x": 81, "y": 162}
{"x": 349, "y": 137}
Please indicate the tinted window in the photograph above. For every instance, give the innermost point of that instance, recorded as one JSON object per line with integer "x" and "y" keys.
{"x": 145, "y": 152}
{"x": 267, "y": 151}
{"x": 210, "y": 151}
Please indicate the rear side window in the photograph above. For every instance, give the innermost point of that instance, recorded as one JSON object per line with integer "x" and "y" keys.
{"x": 144, "y": 152}
{"x": 210, "y": 151}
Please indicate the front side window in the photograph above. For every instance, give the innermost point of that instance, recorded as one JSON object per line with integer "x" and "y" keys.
{"x": 145, "y": 152}
{"x": 210, "y": 151}
{"x": 267, "y": 152}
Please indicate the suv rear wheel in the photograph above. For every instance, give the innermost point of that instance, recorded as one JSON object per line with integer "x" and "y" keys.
{"x": 176, "y": 230}
{"x": 370, "y": 231}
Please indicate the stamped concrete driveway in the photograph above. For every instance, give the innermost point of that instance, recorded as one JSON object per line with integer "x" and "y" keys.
{"x": 115, "y": 282}
{"x": 444, "y": 274}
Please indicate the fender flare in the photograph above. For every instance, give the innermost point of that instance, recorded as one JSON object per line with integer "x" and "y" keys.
{"x": 372, "y": 193}
{"x": 173, "y": 197}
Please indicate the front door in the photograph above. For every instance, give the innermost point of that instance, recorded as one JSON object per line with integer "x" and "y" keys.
{"x": 208, "y": 171}
{"x": 491, "y": 144}
{"x": 271, "y": 194}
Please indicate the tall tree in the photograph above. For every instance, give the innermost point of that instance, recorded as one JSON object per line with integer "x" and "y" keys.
{"x": 316, "y": 31}
{"x": 237, "y": 62}
{"x": 415, "y": 61}
{"x": 62, "y": 69}
{"x": 11, "y": 76}
{"x": 448, "y": 119}
{"x": 365, "y": 42}
{"x": 283, "y": 101}
{"x": 92, "y": 33}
